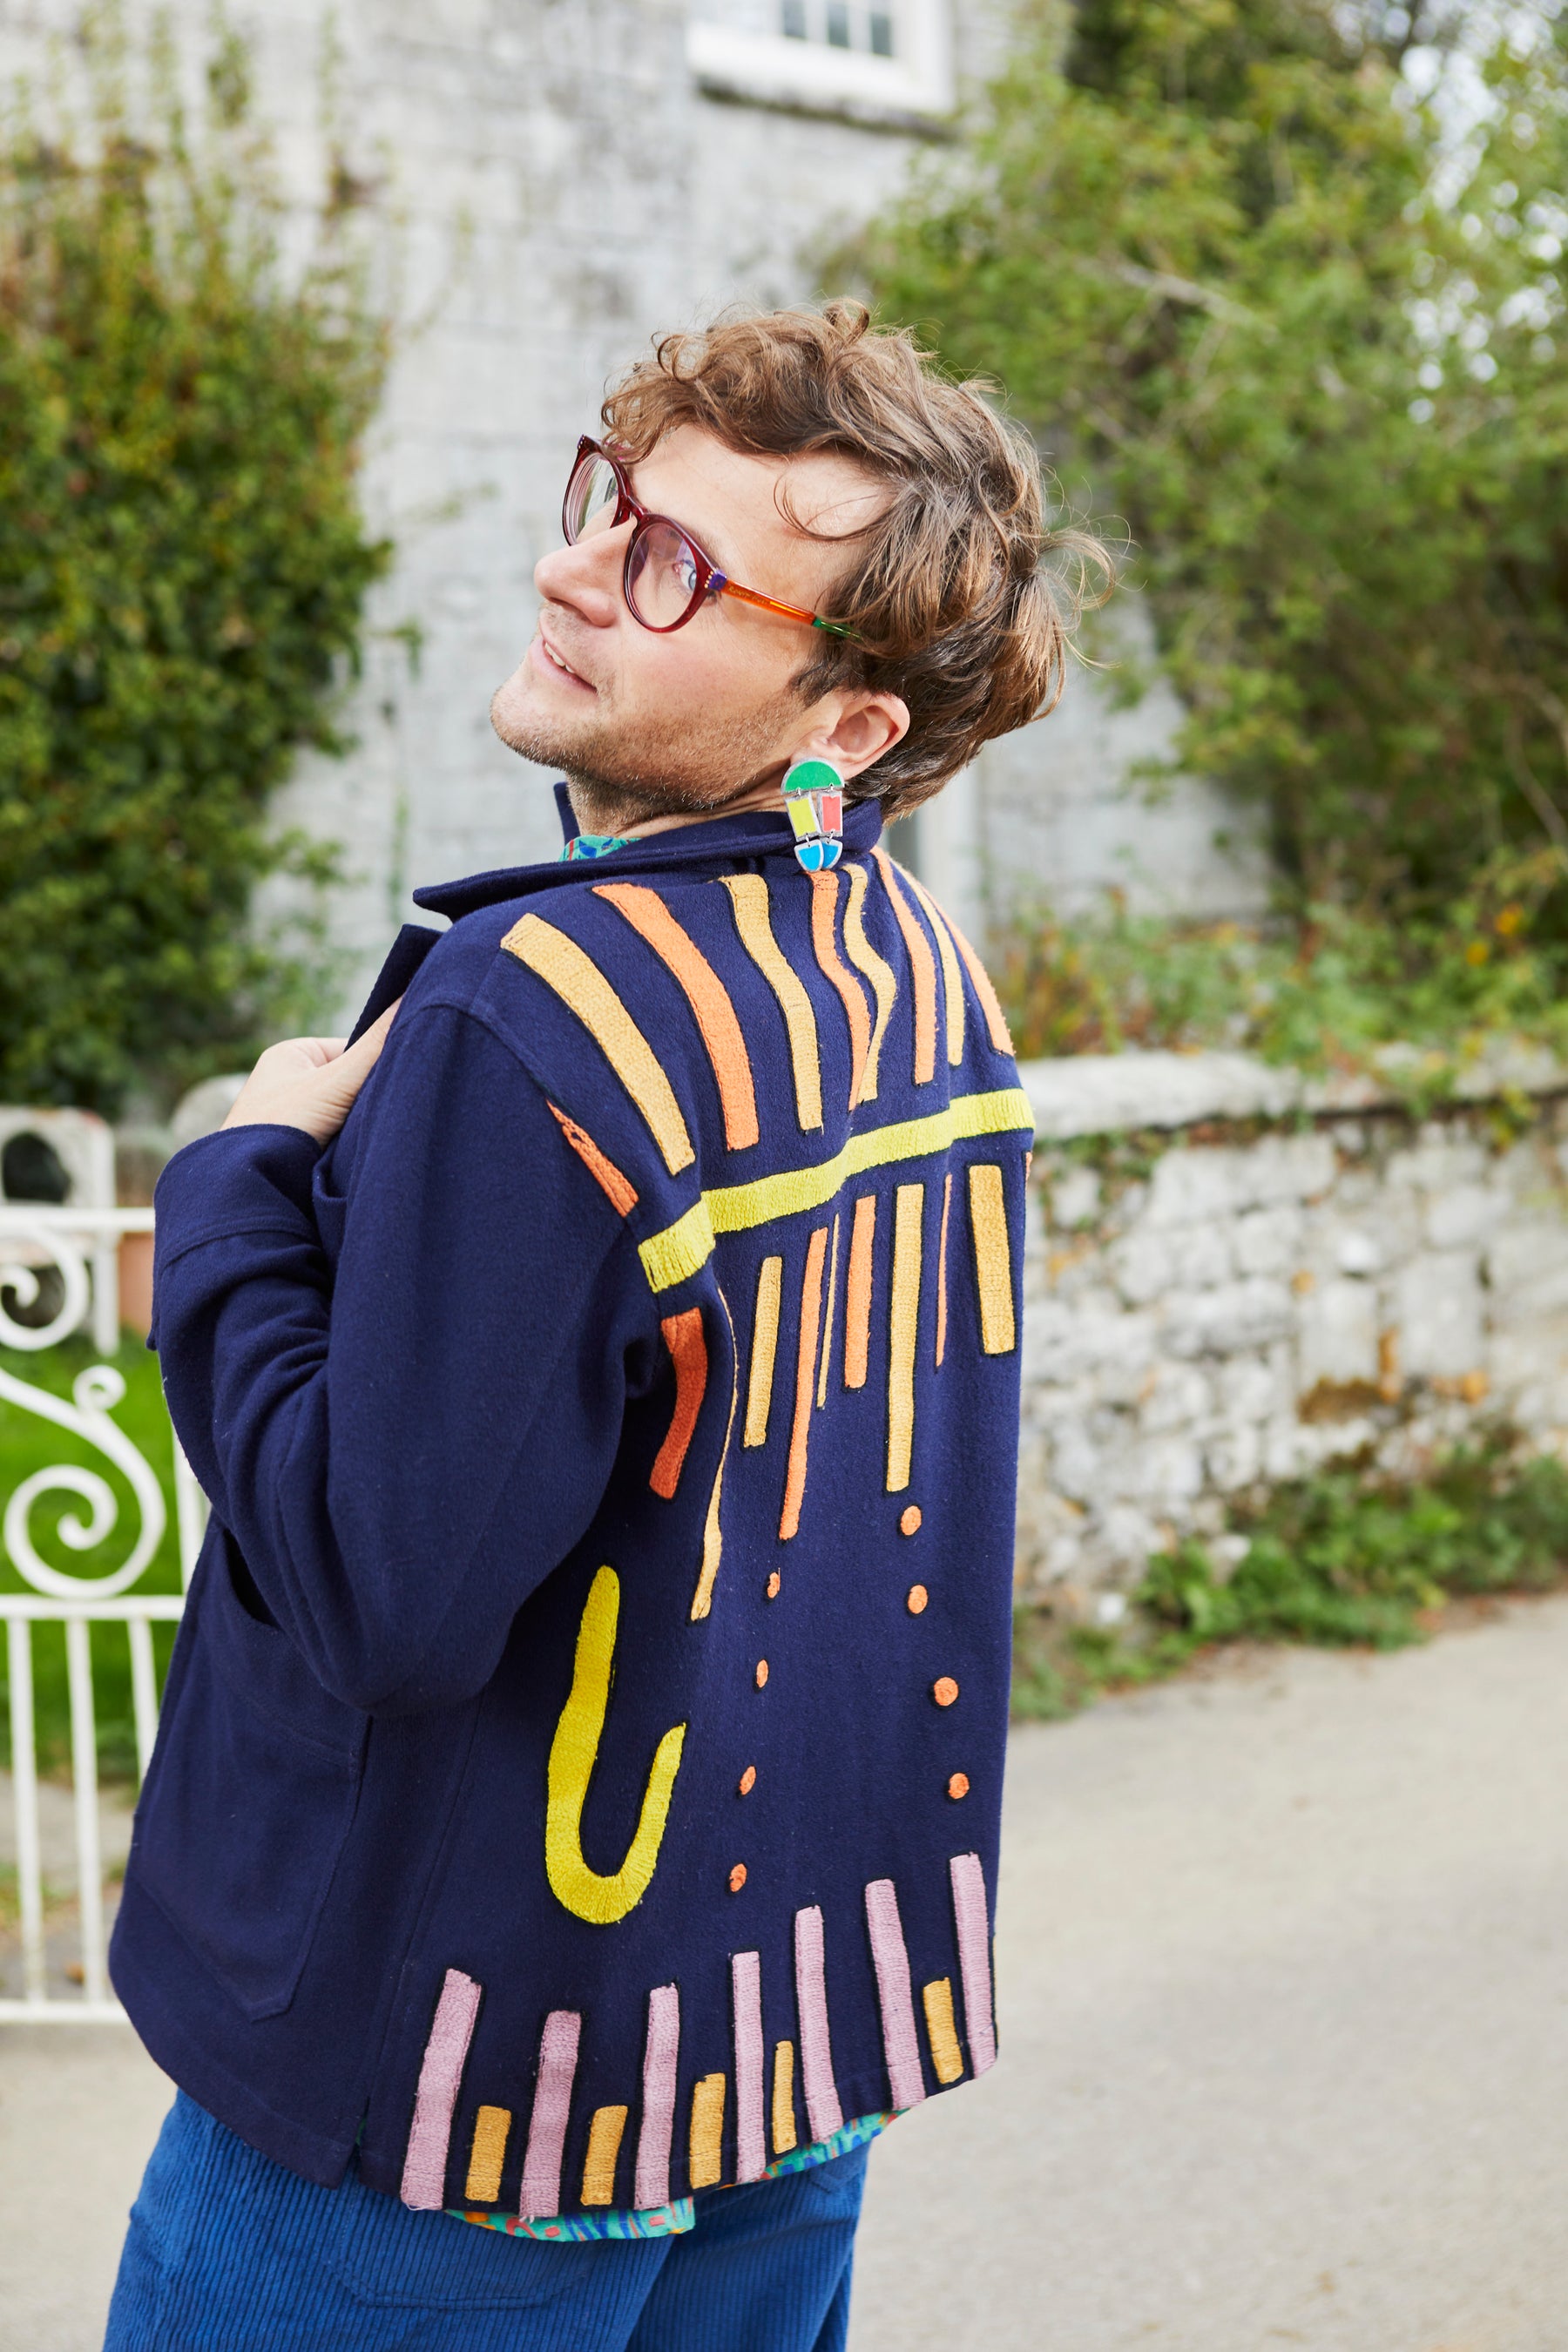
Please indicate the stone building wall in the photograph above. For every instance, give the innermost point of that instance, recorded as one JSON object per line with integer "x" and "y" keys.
{"x": 1260, "y": 1278}
{"x": 549, "y": 182}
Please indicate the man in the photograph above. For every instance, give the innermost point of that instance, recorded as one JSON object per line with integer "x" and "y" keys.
{"x": 575, "y": 1805}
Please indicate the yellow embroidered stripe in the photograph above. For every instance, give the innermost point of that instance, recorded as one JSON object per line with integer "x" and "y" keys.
{"x": 878, "y": 970}
{"x": 785, "y": 2134}
{"x": 992, "y": 1257}
{"x": 604, "y": 2146}
{"x": 941, "y": 1271}
{"x": 857, "y": 1292}
{"x": 585, "y": 1893}
{"x": 577, "y": 981}
{"x": 750, "y": 893}
{"x": 712, "y": 1538}
{"x": 903, "y": 1332}
{"x": 951, "y": 978}
{"x": 491, "y": 2126}
{"x": 765, "y": 1344}
{"x": 707, "y": 2131}
{"x": 922, "y": 971}
{"x": 705, "y": 993}
{"x": 945, "y": 2054}
{"x": 683, "y": 1248}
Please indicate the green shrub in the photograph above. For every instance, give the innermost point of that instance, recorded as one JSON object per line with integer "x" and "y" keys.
{"x": 1309, "y": 345}
{"x": 183, "y": 571}
{"x": 1345, "y": 1558}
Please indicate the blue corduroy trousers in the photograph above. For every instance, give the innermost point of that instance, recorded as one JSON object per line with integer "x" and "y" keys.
{"x": 229, "y": 2253}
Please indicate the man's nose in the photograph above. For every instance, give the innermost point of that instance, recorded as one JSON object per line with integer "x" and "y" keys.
{"x": 586, "y": 577}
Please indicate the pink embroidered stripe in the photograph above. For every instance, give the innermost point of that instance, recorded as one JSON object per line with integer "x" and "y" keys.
{"x": 547, "y": 2125}
{"x": 445, "y": 2054}
{"x": 750, "y": 2140}
{"x": 900, "y": 2044}
{"x": 974, "y": 1957}
{"x": 660, "y": 2053}
{"x": 822, "y": 2105}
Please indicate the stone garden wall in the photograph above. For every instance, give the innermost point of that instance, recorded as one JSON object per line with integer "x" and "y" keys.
{"x": 1232, "y": 1277}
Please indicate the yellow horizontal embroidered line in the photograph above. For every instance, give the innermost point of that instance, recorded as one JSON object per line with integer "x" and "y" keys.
{"x": 669, "y": 1256}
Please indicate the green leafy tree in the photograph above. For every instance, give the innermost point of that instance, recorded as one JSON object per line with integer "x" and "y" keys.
{"x": 182, "y": 572}
{"x": 1298, "y": 317}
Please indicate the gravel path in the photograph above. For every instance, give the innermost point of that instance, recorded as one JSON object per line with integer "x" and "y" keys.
{"x": 1284, "y": 1970}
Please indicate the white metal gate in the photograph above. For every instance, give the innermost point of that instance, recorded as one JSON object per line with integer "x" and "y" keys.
{"x": 74, "y": 1251}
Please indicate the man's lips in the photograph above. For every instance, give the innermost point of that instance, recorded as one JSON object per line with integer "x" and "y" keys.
{"x": 555, "y": 664}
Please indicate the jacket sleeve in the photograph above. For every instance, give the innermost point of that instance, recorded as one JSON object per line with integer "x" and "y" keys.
{"x": 402, "y": 1452}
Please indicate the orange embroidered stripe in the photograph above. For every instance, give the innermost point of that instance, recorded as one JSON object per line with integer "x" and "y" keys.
{"x": 705, "y": 993}
{"x": 951, "y": 978}
{"x": 707, "y": 2162}
{"x": 941, "y": 1270}
{"x": 765, "y": 1345}
{"x": 992, "y": 1257}
{"x": 785, "y": 2133}
{"x": 750, "y": 894}
{"x": 577, "y": 981}
{"x": 857, "y": 1292}
{"x": 922, "y": 971}
{"x": 491, "y": 2126}
{"x": 604, "y": 2146}
{"x": 712, "y": 1538}
{"x": 604, "y": 1171}
{"x": 804, "y": 1378}
{"x": 946, "y": 2056}
{"x": 683, "y": 1336}
{"x": 877, "y": 972}
{"x": 827, "y": 1320}
{"x": 990, "y": 1003}
{"x": 903, "y": 1330}
{"x": 823, "y": 910}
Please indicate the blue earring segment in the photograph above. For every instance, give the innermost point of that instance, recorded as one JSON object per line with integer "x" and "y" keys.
{"x": 813, "y": 798}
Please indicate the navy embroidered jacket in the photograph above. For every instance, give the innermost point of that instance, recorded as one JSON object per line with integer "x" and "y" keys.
{"x": 581, "y": 1756}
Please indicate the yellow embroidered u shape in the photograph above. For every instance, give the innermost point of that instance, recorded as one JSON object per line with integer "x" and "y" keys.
{"x": 588, "y": 1892}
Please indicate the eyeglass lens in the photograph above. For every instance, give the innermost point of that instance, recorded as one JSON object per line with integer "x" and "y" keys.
{"x": 661, "y": 575}
{"x": 663, "y": 569}
{"x": 592, "y": 497}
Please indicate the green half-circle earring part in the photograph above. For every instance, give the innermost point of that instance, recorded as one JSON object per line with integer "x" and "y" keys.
{"x": 814, "y": 799}
{"x": 591, "y": 1894}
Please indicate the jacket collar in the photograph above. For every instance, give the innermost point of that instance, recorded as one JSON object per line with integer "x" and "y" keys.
{"x": 723, "y": 843}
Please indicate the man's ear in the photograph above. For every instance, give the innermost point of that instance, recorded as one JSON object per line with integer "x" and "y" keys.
{"x": 865, "y": 726}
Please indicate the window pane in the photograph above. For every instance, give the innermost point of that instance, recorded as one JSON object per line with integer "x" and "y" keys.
{"x": 838, "y": 23}
{"x": 793, "y": 15}
{"x": 881, "y": 33}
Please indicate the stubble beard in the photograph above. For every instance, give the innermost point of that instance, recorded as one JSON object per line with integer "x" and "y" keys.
{"x": 669, "y": 767}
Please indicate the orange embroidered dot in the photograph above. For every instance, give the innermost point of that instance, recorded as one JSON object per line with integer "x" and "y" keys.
{"x": 773, "y": 1583}
{"x": 917, "y": 1601}
{"x": 959, "y": 1785}
{"x": 944, "y": 1690}
{"x": 748, "y": 1779}
{"x": 909, "y": 1524}
{"x": 763, "y": 1675}
{"x": 737, "y": 1878}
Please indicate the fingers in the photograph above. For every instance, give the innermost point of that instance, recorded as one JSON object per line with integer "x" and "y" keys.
{"x": 309, "y": 1082}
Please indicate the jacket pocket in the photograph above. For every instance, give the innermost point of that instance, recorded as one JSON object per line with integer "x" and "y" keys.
{"x": 250, "y": 1796}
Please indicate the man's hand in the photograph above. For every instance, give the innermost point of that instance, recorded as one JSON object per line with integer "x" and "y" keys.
{"x": 309, "y": 1082}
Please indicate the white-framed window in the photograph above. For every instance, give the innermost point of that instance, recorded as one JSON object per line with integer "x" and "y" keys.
{"x": 887, "y": 58}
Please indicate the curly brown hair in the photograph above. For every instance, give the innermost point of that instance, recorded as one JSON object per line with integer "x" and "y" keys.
{"x": 948, "y": 594}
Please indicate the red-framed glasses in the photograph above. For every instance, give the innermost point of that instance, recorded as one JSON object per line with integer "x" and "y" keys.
{"x": 666, "y": 578}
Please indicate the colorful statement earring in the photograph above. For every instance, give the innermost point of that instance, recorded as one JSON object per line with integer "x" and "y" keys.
{"x": 813, "y": 798}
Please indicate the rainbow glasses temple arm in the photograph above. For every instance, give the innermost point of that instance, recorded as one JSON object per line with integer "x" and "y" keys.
{"x": 721, "y": 586}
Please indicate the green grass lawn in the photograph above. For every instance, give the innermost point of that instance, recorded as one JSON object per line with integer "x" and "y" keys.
{"x": 29, "y": 1443}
